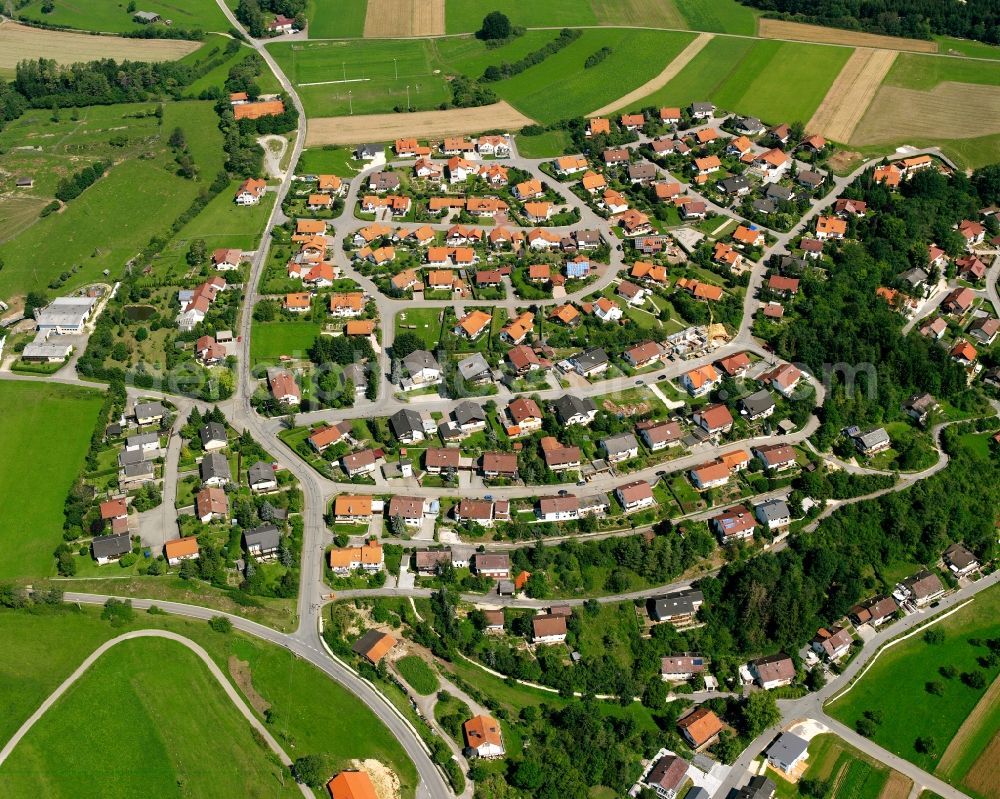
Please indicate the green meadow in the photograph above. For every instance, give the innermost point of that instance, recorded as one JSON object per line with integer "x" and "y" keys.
{"x": 336, "y": 19}
{"x": 269, "y": 340}
{"x": 914, "y": 71}
{"x": 31, "y": 530}
{"x": 112, "y": 16}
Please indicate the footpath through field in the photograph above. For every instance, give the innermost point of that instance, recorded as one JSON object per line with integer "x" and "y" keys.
{"x": 210, "y": 664}
{"x": 671, "y": 71}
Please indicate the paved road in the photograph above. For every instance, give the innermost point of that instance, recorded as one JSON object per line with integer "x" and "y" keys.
{"x": 213, "y": 669}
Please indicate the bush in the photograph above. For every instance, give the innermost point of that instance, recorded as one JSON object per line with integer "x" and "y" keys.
{"x": 596, "y": 58}
{"x": 934, "y": 636}
{"x": 221, "y": 624}
{"x": 496, "y": 25}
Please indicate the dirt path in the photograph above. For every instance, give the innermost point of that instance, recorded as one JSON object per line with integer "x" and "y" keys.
{"x": 969, "y": 729}
{"x": 851, "y": 93}
{"x": 800, "y": 32}
{"x": 421, "y": 124}
{"x": 210, "y": 664}
{"x": 669, "y": 73}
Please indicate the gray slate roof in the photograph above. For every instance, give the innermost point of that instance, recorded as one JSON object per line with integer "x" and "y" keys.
{"x": 214, "y": 465}
{"x": 260, "y": 472}
{"x": 110, "y": 546}
{"x": 213, "y": 431}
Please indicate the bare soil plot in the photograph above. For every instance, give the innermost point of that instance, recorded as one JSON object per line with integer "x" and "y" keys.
{"x": 851, "y": 93}
{"x": 970, "y": 728}
{"x": 239, "y": 670}
{"x": 898, "y": 786}
{"x": 984, "y": 776}
{"x": 942, "y": 113}
{"x": 797, "y": 31}
{"x": 421, "y": 124}
{"x": 18, "y": 42}
{"x": 672, "y": 70}
{"x": 390, "y": 18}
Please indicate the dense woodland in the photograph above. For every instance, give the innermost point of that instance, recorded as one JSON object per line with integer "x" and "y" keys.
{"x": 920, "y": 19}
{"x": 849, "y": 333}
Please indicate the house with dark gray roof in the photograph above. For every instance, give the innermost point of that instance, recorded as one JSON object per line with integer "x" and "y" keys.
{"x": 475, "y": 369}
{"x": 213, "y": 436}
{"x": 758, "y": 405}
{"x": 787, "y": 752}
{"x": 108, "y": 548}
{"x": 469, "y": 416}
{"x": 590, "y": 362}
{"x": 679, "y": 606}
{"x": 574, "y": 410}
{"x": 621, "y": 447}
{"x": 407, "y": 426}
{"x": 735, "y": 186}
{"x": 262, "y": 542}
{"x": 214, "y": 470}
{"x": 261, "y": 477}
{"x": 778, "y": 193}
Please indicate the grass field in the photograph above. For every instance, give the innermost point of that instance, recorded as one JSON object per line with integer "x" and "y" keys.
{"x": 330, "y": 160}
{"x": 549, "y": 144}
{"x": 418, "y": 674}
{"x": 426, "y": 322}
{"x": 110, "y": 16}
{"x": 214, "y": 45}
{"x": 108, "y": 224}
{"x": 470, "y": 56}
{"x": 967, "y": 47}
{"x": 30, "y": 531}
{"x": 372, "y": 65}
{"x": 336, "y": 19}
{"x": 466, "y": 16}
{"x": 719, "y": 16}
{"x": 130, "y": 696}
{"x": 271, "y": 339}
{"x": 899, "y": 679}
{"x": 222, "y": 223}
{"x": 638, "y": 54}
{"x": 777, "y": 81}
{"x": 914, "y": 71}
{"x": 311, "y": 714}
{"x": 18, "y": 42}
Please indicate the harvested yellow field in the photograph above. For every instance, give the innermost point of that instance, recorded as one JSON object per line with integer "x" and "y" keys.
{"x": 799, "y": 32}
{"x": 851, "y": 93}
{"x": 898, "y": 786}
{"x": 18, "y": 42}
{"x": 671, "y": 71}
{"x": 942, "y": 113}
{"x": 386, "y": 19}
{"x": 421, "y": 124}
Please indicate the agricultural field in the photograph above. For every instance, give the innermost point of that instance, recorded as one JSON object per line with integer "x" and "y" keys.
{"x": 319, "y": 70}
{"x": 30, "y": 531}
{"x": 719, "y": 16}
{"x": 466, "y": 16}
{"x": 640, "y": 54}
{"x": 130, "y": 696}
{"x": 781, "y": 29}
{"x": 917, "y": 674}
{"x": 311, "y": 714}
{"x": 967, "y": 47}
{"x": 111, "y": 16}
{"x": 547, "y": 145}
{"x": 777, "y": 81}
{"x": 270, "y": 340}
{"x": 336, "y": 19}
{"x": 390, "y": 18}
{"x": 912, "y": 71}
{"x": 103, "y": 228}
{"x": 851, "y": 93}
{"x": 18, "y": 42}
{"x": 470, "y": 56}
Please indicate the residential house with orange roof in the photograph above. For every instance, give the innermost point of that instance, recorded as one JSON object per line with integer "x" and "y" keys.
{"x": 670, "y": 115}
{"x": 367, "y": 557}
{"x": 749, "y": 236}
{"x": 597, "y": 126}
{"x": 700, "y": 381}
{"x": 349, "y": 304}
{"x": 707, "y": 164}
{"x": 570, "y": 164}
{"x": 593, "y": 182}
{"x": 888, "y": 174}
{"x": 529, "y": 189}
{"x": 250, "y": 191}
{"x": 330, "y": 184}
{"x": 483, "y": 735}
{"x": 352, "y": 509}
{"x": 566, "y": 313}
{"x": 539, "y": 211}
{"x": 181, "y": 549}
{"x": 517, "y": 329}
{"x": 700, "y": 727}
{"x": 298, "y": 302}
{"x": 374, "y": 645}
{"x": 352, "y": 785}
{"x": 723, "y": 253}
{"x": 473, "y": 325}
{"x": 830, "y": 227}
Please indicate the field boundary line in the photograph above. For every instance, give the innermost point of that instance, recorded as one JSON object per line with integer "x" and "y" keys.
{"x": 197, "y": 649}
{"x": 969, "y": 726}
{"x": 670, "y": 71}
{"x": 851, "y": 93}
{"x": 918, "y": 629}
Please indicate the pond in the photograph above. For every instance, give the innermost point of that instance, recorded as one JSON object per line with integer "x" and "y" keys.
{"x": 139, "y": 313}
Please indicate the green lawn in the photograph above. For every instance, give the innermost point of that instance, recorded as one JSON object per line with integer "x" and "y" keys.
{"x": 110, "y": 16}
{"x": 373, "y": 64}
{"x": 268, "y": 340}
{"x": 426, "y": 324}
{"x": 107, "y": 225}
{"x": 329, "y": 160}
{"x": 637, "y": 56}
{"x": 913, "y": 71}
{"x": 614, "y": 632}
{"x": 418, "y": 674}
{"x": 896, "y": 684}
{"x": 773, "y": 80}
{"x": 547, "y": 145}
{"x": 343, "y": 19}
{"x": 311, "y": 714}
{"x": 140, "y": 695}
{"x": 31, "y": 530}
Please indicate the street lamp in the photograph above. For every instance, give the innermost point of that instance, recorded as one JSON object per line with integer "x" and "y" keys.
{"x": 407, "y": 96}
{"x": 344, "y": 65}
{"x": 395, "y": 68}
{"x": 350, "y": 102}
